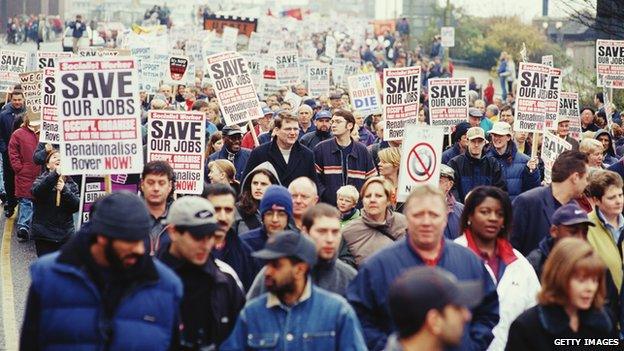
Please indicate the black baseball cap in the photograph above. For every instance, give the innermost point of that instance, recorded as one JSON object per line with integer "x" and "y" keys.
{"x": 423, "y": 288}
{"x": 231, "y": 130}
{"x": 288, "y": 244}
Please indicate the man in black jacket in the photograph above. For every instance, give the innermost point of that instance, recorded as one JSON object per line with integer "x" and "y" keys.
{"x": 321, "y": 132}
{"x": 473, "y": 168}
{"x": 212, "y": 298}
{"x": 290, "y": 159}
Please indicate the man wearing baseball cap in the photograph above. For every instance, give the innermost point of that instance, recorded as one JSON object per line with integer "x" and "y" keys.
{"x": 102, "y": 290}
{"x": 322, "y": 130}
{"x": 231, "y": 151}
{"x": 430, "y": 309}
{"x": 563, "y": 131}
{"x": 454, "y": 207}
{"x": 212, "y": 298}
{"x": 568, "y": 221}
{"x": 473, "y": 168}
{"x": 319, "y": 320}
{"x": 520, "y": 171}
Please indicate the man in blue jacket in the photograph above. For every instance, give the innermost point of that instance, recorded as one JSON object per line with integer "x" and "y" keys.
{"x": 289, "y": 157}
{"x": 102, "y": 290}
{"x": 294, "y": 314}
{"x": 424, "y": 244}
{"x": 8, "y": 115}
{"x": 231, "y": 151}
{"x": 534, "y": 209}
{"x": 519, "y": 170}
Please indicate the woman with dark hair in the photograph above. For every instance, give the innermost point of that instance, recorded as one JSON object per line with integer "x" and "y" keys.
{"x": 252, "y": 190}
{"x": 485, "y": 223}
{"x": 215, "y": 144}
{"x": 55, "y": 198}
{"x": 570, "y": 303}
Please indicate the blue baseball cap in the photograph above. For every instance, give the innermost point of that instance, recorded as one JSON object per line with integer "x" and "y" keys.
{"x": 570, "y": 214}
{"x": 322, "y": 114}
{"x": 288, "y": 244}
{"x": 266, "y": 110}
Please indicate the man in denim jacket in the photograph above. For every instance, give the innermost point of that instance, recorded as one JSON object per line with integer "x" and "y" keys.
{"x": 294, "y": 314}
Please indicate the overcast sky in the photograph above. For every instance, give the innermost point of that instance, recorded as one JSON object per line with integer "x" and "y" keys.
{"x": 526, "y": 9}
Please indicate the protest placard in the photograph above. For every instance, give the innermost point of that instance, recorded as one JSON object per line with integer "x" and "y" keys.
{"x": 447, "y": 35}
{"x": 401, "y": 100}
{"x": 552, "y": 147}
{"x": 254, "y": 65}
{"x": 93, "y": 187}
{"x": 318, "y": 79}
{"x": 235, "y": 90}
{"x": 47, "y": 59}
{"x": 548, "y": 60}
{"x": 270, "y": 84}
{"x": 31, "y": 87}
{"x": 177, "y": 70}
{"x": 12, "y": 63}
{"x": 610, "y": 63}
{"x": 448, "y": 102}
{"x": 99, "y": 116}
{"x": 421, "y": 160}
{"x": 287, "y": 67}
{"x": 230, "y": 36}
{"x": 149, "y": 76}
{"x": 217, "y": 23}
{"x": 179, "y": 138}
{"x": 569, "y": 108}
{"x": 330, "y": 46}
{"x": 550, "y": 94}
{"x": 532, "y": 79}
{"x": 364, "y": 94}
{"x": 102, "y": 52}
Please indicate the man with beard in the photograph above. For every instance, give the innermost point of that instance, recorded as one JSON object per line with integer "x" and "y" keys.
{"x": 322, "y": 132}
{"x": 231, "y": 151}
{"x": 102, "y": 290}
{"x": 322, "y": 223}
{"x": 212, "y": 298}
{"x": 324, "y": 320}
{"x": 157, "y": 184}
{"x": 229, "y": 247}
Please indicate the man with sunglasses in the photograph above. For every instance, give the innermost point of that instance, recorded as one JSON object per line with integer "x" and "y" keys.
{"x": 341, "y": 160}
{"x": 212, "y": 297}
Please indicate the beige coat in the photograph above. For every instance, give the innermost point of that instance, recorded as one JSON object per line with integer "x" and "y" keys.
{"x": 365, "y": 237}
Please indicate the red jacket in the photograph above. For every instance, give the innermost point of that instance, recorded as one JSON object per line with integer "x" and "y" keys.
{"x": 488, "y": 94}
{"x": 21, "y": 149}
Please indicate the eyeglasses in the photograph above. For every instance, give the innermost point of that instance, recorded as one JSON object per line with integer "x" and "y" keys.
{"x": 337, "y": 121}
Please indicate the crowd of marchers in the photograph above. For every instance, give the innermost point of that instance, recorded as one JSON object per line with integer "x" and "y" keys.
{"x": 298, "y": 241}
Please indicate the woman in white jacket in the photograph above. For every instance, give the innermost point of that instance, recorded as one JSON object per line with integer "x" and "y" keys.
{"x": 485, "y": 224}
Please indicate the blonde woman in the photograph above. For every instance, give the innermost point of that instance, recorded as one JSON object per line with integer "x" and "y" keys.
{"x": 594, "y": 151}
{"x": 389, "y": 164}
{"x": 223, "y": 172}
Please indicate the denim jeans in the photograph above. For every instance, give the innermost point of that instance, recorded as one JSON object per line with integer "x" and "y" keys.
{"x": 24, "y": 216}
{"x": 503, "y": 83}
{"x": 2, "y": 191}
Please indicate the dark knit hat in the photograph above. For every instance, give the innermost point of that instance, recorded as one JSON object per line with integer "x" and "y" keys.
{"x": 460, "y": 130}
{"x": 121, "y": 215}
{"x": 276, "y": 197}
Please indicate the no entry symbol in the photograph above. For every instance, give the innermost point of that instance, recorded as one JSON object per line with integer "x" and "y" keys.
{"x": 421, "y": 162}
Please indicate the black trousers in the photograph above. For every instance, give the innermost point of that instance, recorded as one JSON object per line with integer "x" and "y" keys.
{"x": 9, "y": 182}
{"x": 45, "y": 247}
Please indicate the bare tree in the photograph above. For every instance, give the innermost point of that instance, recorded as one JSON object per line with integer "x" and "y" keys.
{"x": 605, "y": 17}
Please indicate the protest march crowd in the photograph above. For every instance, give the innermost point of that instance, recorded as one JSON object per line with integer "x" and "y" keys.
{"x": 326, "y": 189}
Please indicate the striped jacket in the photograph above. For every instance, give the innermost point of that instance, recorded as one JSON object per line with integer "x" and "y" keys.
{"x": 328, "y": 164}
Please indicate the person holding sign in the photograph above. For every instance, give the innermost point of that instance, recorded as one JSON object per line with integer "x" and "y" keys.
{"x": 563, "y": 131}
{"x": 474, "y": 168}
{"x": 231, "y": 151}
{"x": 518, "y": 169}
{"x": 52, "y": 221}
{"x": 8, "y": 115}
